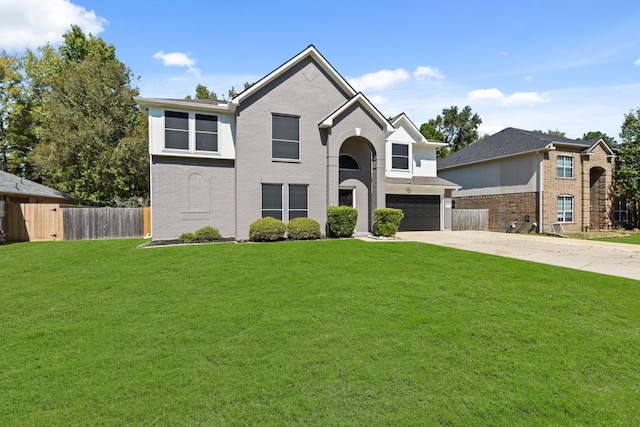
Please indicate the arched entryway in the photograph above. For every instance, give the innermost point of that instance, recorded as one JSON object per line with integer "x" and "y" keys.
{"x": 354, "y": 179}
{"x": 598, "y": 196}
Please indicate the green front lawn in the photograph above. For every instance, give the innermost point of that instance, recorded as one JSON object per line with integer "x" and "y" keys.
{"x": 310, "y": 333}
{"x": 633, "y": 239}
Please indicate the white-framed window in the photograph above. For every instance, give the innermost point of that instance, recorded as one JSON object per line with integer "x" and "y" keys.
{"x": 285, "y": 137}
{"x": 179, "y": 126}
{"x": 298, "y": 201}
{"x": 564, "y": 167}
{"x": 272, "y": 200}
{"x": 565, "y": 208}
{"x": 400, "y": 156}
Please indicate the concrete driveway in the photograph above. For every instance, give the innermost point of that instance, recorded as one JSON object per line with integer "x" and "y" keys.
{"x": 616, "y": 259}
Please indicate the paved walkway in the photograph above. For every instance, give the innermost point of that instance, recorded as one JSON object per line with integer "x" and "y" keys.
{"x": 616, "y": 259}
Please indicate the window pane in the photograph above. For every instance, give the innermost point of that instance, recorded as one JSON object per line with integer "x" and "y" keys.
{"x": 348, "y": 162}
{"x": 400, "y": 163}
{"x": 285, "y": 127}
{"x": 297, "y": 214}
{"x": 274, "y": 214}
{"x": 298, "y": 197}
{"x": 399, "y": 150}
{"x": 285, "y": 150}
{"x": 176, "y": 139}
{"x": 272, "y": 197}
{"x": 176, "y": 120}
{"x": 207, "y": 141}
{"x": 206, "y": 123}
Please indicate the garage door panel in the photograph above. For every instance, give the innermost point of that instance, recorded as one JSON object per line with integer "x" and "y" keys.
{"x": 421, "y": 212}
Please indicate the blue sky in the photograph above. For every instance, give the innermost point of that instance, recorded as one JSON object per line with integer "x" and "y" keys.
{"x": 567, "y": 65}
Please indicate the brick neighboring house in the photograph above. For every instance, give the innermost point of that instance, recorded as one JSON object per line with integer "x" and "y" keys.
{"x": 534, "y": 179}
{"x": 297, "y": 141}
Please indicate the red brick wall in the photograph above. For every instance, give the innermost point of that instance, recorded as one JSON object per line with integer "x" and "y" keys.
{"x": 504, "y": 209}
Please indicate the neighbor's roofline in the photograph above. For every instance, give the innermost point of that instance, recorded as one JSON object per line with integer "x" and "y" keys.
{"x": 548, "y": 147}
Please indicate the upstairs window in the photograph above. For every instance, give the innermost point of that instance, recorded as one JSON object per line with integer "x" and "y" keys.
{"x": 564, "y": 167}
{"x": 206, "y": 132}
{"x": 176, "y": 130}
{"x": 181, "y": 128}
{"x": 565, "y": 209}
{"x": 400, "y": 156}
{"x": 285, "y": 137}
{"x": 347, "y": 162}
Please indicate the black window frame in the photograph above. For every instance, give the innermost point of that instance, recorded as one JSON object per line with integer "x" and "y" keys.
{"x": 397, "y": 157}
{"x": 200, "y": 120}
{"x": 283, "y": 140}
{"x": 171, "y": 118}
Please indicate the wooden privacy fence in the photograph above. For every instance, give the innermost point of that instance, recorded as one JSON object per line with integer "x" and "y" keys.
{"x": 470, "y": 219}
{"x": 33, "y": 221}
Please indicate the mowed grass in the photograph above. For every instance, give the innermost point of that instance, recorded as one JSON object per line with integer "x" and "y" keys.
{"x": 310, "y": 333}
{"x": 633, "y": 239}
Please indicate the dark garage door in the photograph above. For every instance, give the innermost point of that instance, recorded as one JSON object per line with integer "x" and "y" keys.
{"x": 421, "y": 213}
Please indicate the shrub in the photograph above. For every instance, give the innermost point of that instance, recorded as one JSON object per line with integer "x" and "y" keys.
{"x": 303, "y": 229}
{"x": 342, "y": 220}
{"x": 208, "y": 234}
{"x": 187, "y": 237}
{"x": 387, "y": 221}
{"x": 267, "y": 229}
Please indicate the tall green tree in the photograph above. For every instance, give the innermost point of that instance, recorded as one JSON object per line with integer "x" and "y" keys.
{"x": 458, "y": 129}
{"x": 91, "y": 138}
{"x": 627, "y": 175}
{"x": 556, "y": 132}
{"x": 597, "y": 134}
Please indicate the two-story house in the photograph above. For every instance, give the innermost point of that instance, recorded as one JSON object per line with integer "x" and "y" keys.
{"x": 534, "y": 178}
{"x": 295, "y": 142}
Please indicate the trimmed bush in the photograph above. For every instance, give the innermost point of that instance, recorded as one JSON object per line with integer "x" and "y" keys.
{"x": 267, "y": 229}
{"x": 187, "y": 237}
{"x": 303, "y": 229}
{"x": 342, "y": 220}
{"x": 387, "y": 221}
{"x": 208, "y": 234}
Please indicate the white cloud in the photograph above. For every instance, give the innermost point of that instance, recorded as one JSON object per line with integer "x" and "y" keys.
{"x": 178, "y": 59}
{"x": 637, "y": 62}
{"x": 32, "y": 23}
{"x": 378, "y": 80}
{"x": 504, "y": 53}
{"x": 528, "y": 78}
{"x": 422, "y": 73}
{"x": 377, "y": 100}
{"x": 516, "y": 98}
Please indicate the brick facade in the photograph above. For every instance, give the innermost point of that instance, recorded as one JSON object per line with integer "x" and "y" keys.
{"x": 504, "y": 209}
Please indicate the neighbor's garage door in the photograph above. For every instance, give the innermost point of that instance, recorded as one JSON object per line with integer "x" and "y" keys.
{"x": 420, "y": 212}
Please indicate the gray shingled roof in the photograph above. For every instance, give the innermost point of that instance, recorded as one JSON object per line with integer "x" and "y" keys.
{"x": 508, "y": 142}
{"x": 422, "y": 180}
{"x": 15, "y": 185}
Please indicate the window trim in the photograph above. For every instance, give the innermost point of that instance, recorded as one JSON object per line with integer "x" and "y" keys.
{"x": 564, "y": 167}
{"x": 564, "y": 212}
{"x": 289, "y": 141}
{"x": 401, "y": 156}
{"x": 192, "y": 132}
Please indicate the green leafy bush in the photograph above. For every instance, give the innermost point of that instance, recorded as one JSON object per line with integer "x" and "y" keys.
{"x": 208, "y": 234}
{"x": 187, "y": 237}
{"x": 303, "y": 229}
{"x": 267, "y": 229}
{"x": 387, "y": 221}
{"x": 342, "y": 220}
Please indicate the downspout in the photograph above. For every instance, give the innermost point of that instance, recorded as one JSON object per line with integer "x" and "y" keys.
{"x": 540, "y": 189}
